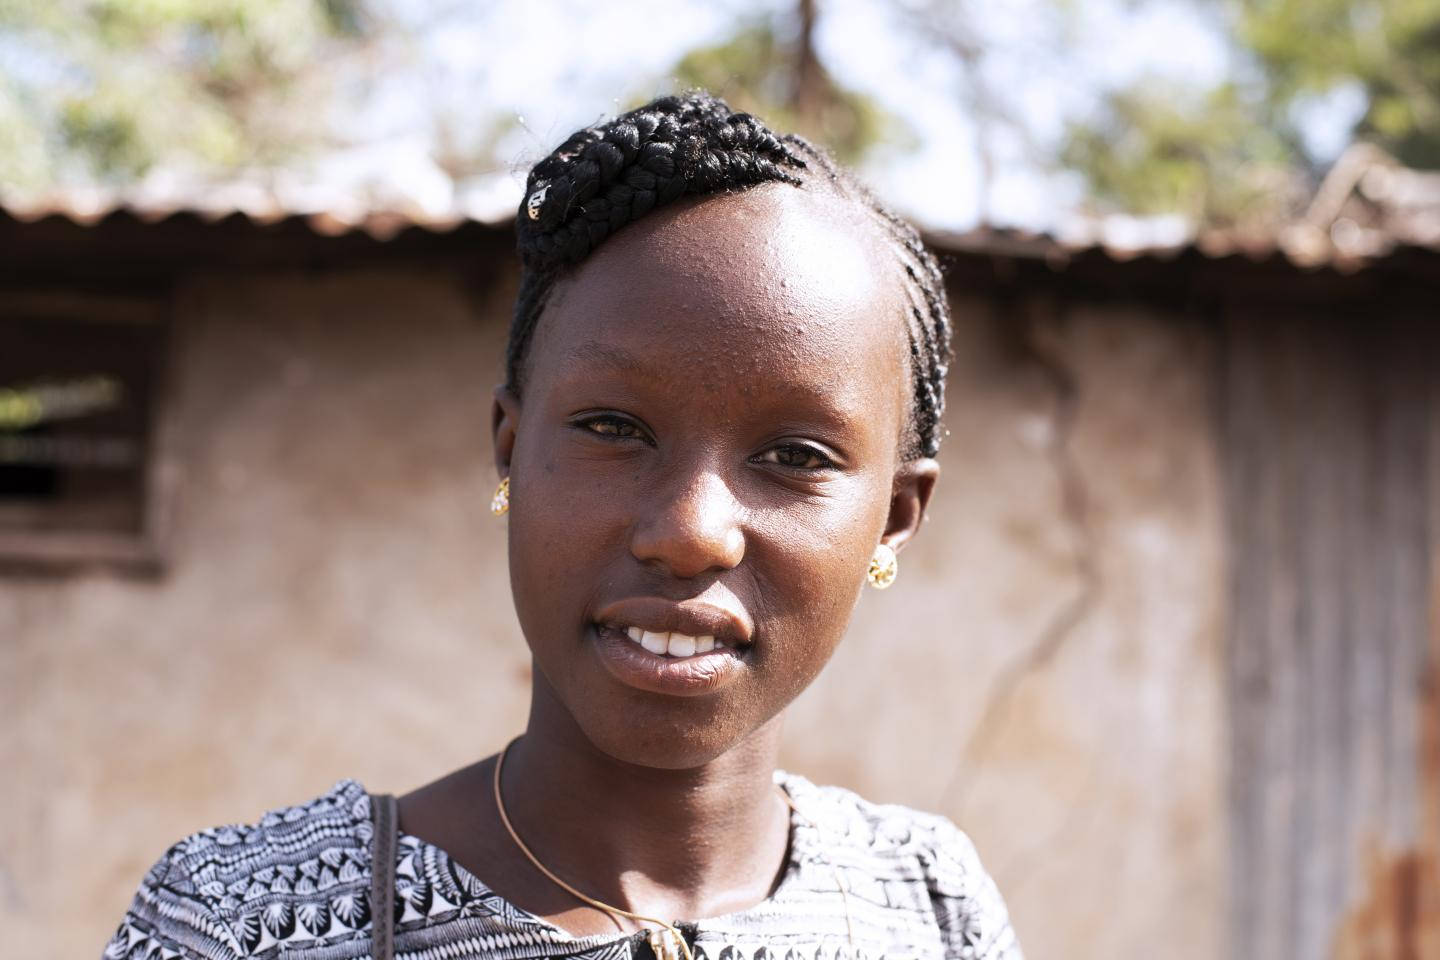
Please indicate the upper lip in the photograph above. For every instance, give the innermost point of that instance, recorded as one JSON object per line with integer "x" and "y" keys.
{"x": 695, "y": 618}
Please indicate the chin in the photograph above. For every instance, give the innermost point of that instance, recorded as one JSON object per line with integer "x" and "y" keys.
{"x": 659, "y": 742}
{"x": 669, "y": 759}
{"x": 642, "y": 710}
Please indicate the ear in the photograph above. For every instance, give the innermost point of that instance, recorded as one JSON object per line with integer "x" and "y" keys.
{"x": 910, "y": 495}
{"x": 504, "y": 419}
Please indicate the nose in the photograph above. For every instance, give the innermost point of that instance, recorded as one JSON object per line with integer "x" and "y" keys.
{"x": 693, "y": 529}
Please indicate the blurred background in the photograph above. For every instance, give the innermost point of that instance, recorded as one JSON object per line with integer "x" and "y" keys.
{"x": 1167, "y": 648}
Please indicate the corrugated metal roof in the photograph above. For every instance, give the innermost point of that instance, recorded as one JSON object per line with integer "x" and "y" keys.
{"x": 1368, "y": 208}
{"x": 379, "y": 225}
{"x": 1345, "y": 246}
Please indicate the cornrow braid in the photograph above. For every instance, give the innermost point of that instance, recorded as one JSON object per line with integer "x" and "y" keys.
{"x": 929, "y": 321}
{"x": 614, "y": 173}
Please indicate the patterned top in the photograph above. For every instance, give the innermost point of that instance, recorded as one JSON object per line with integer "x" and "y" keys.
{"x": 297, "y": 885}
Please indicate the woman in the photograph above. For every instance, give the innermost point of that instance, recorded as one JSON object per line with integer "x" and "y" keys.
{"x": 722, "y": 399}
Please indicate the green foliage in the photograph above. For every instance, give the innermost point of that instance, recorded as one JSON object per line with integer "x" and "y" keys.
{"x": 1165, "y": 149}
{"x": 756, "y": 72}
{"x": 104, "y": 89}
{"x": 1390, "y": 47}
{"x": 1232, "y": 155}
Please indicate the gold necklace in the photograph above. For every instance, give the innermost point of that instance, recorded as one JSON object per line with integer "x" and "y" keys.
{"x": 667, "y": 942}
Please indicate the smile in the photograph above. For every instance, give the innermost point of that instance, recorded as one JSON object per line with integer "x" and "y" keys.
{"x": 672, "y": 643}
{"x": 677, "y": 648}
{"x": 675, "y": 672}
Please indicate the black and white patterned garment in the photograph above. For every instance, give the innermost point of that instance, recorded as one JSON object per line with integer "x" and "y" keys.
{"x": 297, "y": 886}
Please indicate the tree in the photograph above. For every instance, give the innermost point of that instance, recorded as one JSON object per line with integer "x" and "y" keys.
{"x": 106, "y": 89}
{"x": 1390, "y": 48}
{"x": 1236, "y": 155}
{"x": 1163, "y": 148}
{"x": 762, "y": 71}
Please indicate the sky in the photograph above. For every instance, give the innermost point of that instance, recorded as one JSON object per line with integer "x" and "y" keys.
{"x": 550, "y": 66}
{"x": 520, "y": 75}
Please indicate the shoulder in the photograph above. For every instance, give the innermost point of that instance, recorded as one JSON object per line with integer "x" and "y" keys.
{"x": 299, "y": 872}
{"x": 890, "y": 844}
{"x": 886, "y": 833}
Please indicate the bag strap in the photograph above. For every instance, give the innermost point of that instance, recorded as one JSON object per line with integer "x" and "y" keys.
{"x": 382, "y": 876}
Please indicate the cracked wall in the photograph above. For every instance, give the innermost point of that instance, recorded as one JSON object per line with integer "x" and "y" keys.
{"x": 1046, "y": 671}
{"x": 1056, "y": 659}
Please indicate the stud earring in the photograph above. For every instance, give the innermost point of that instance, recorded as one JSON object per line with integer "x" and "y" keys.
{"x": 884, "y": 567}
{"x": 500, "y": 503}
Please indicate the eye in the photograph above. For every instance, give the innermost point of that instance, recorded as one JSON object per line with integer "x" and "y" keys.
{"x": 611, "y": 425}
{"x": 797, "y": 456}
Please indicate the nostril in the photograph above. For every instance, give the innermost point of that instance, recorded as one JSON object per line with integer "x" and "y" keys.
{"x": 692, "y": 533}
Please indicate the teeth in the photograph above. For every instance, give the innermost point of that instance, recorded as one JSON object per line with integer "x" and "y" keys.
{"x": 672, "y": 644}
{"x": 657, "y": 643}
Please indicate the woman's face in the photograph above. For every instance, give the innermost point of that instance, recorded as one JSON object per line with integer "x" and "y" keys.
{"x": 707, "y": 446}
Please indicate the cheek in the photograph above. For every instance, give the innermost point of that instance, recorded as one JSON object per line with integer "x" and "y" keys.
{"x": 564, "y": 493}
{"x": 561, "y": 536}
{"x": 810, "y": 567}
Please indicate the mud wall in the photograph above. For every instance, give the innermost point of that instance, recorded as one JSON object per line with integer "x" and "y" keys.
{"x": 1047, "y": 671}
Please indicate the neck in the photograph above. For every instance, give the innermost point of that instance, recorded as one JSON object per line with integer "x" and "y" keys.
{"x": 670, "y": 843}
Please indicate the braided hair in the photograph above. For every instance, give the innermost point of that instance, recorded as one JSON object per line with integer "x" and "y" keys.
{"x": 614, "y": 173}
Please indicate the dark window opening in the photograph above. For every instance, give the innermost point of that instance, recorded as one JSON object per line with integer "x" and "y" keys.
{"x": 78, "y": 390}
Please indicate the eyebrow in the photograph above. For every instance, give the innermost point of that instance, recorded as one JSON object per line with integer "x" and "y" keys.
{"x": 589, "y": 351}
{"x": 617, "y": 358}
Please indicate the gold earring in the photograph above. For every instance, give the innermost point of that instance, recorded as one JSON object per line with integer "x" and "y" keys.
{"x": 500, "y": 503}
{"x": 884, "y": 567}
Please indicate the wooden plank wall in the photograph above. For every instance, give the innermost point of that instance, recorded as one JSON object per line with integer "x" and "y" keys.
{"x": 1330, "y": 431}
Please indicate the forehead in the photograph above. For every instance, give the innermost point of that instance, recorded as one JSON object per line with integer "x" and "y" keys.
{"x": 739, "y": 283}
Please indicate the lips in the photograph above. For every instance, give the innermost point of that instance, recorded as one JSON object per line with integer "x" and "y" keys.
{"x": 726, "y": 624}
{"x": 680, "y": 649}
